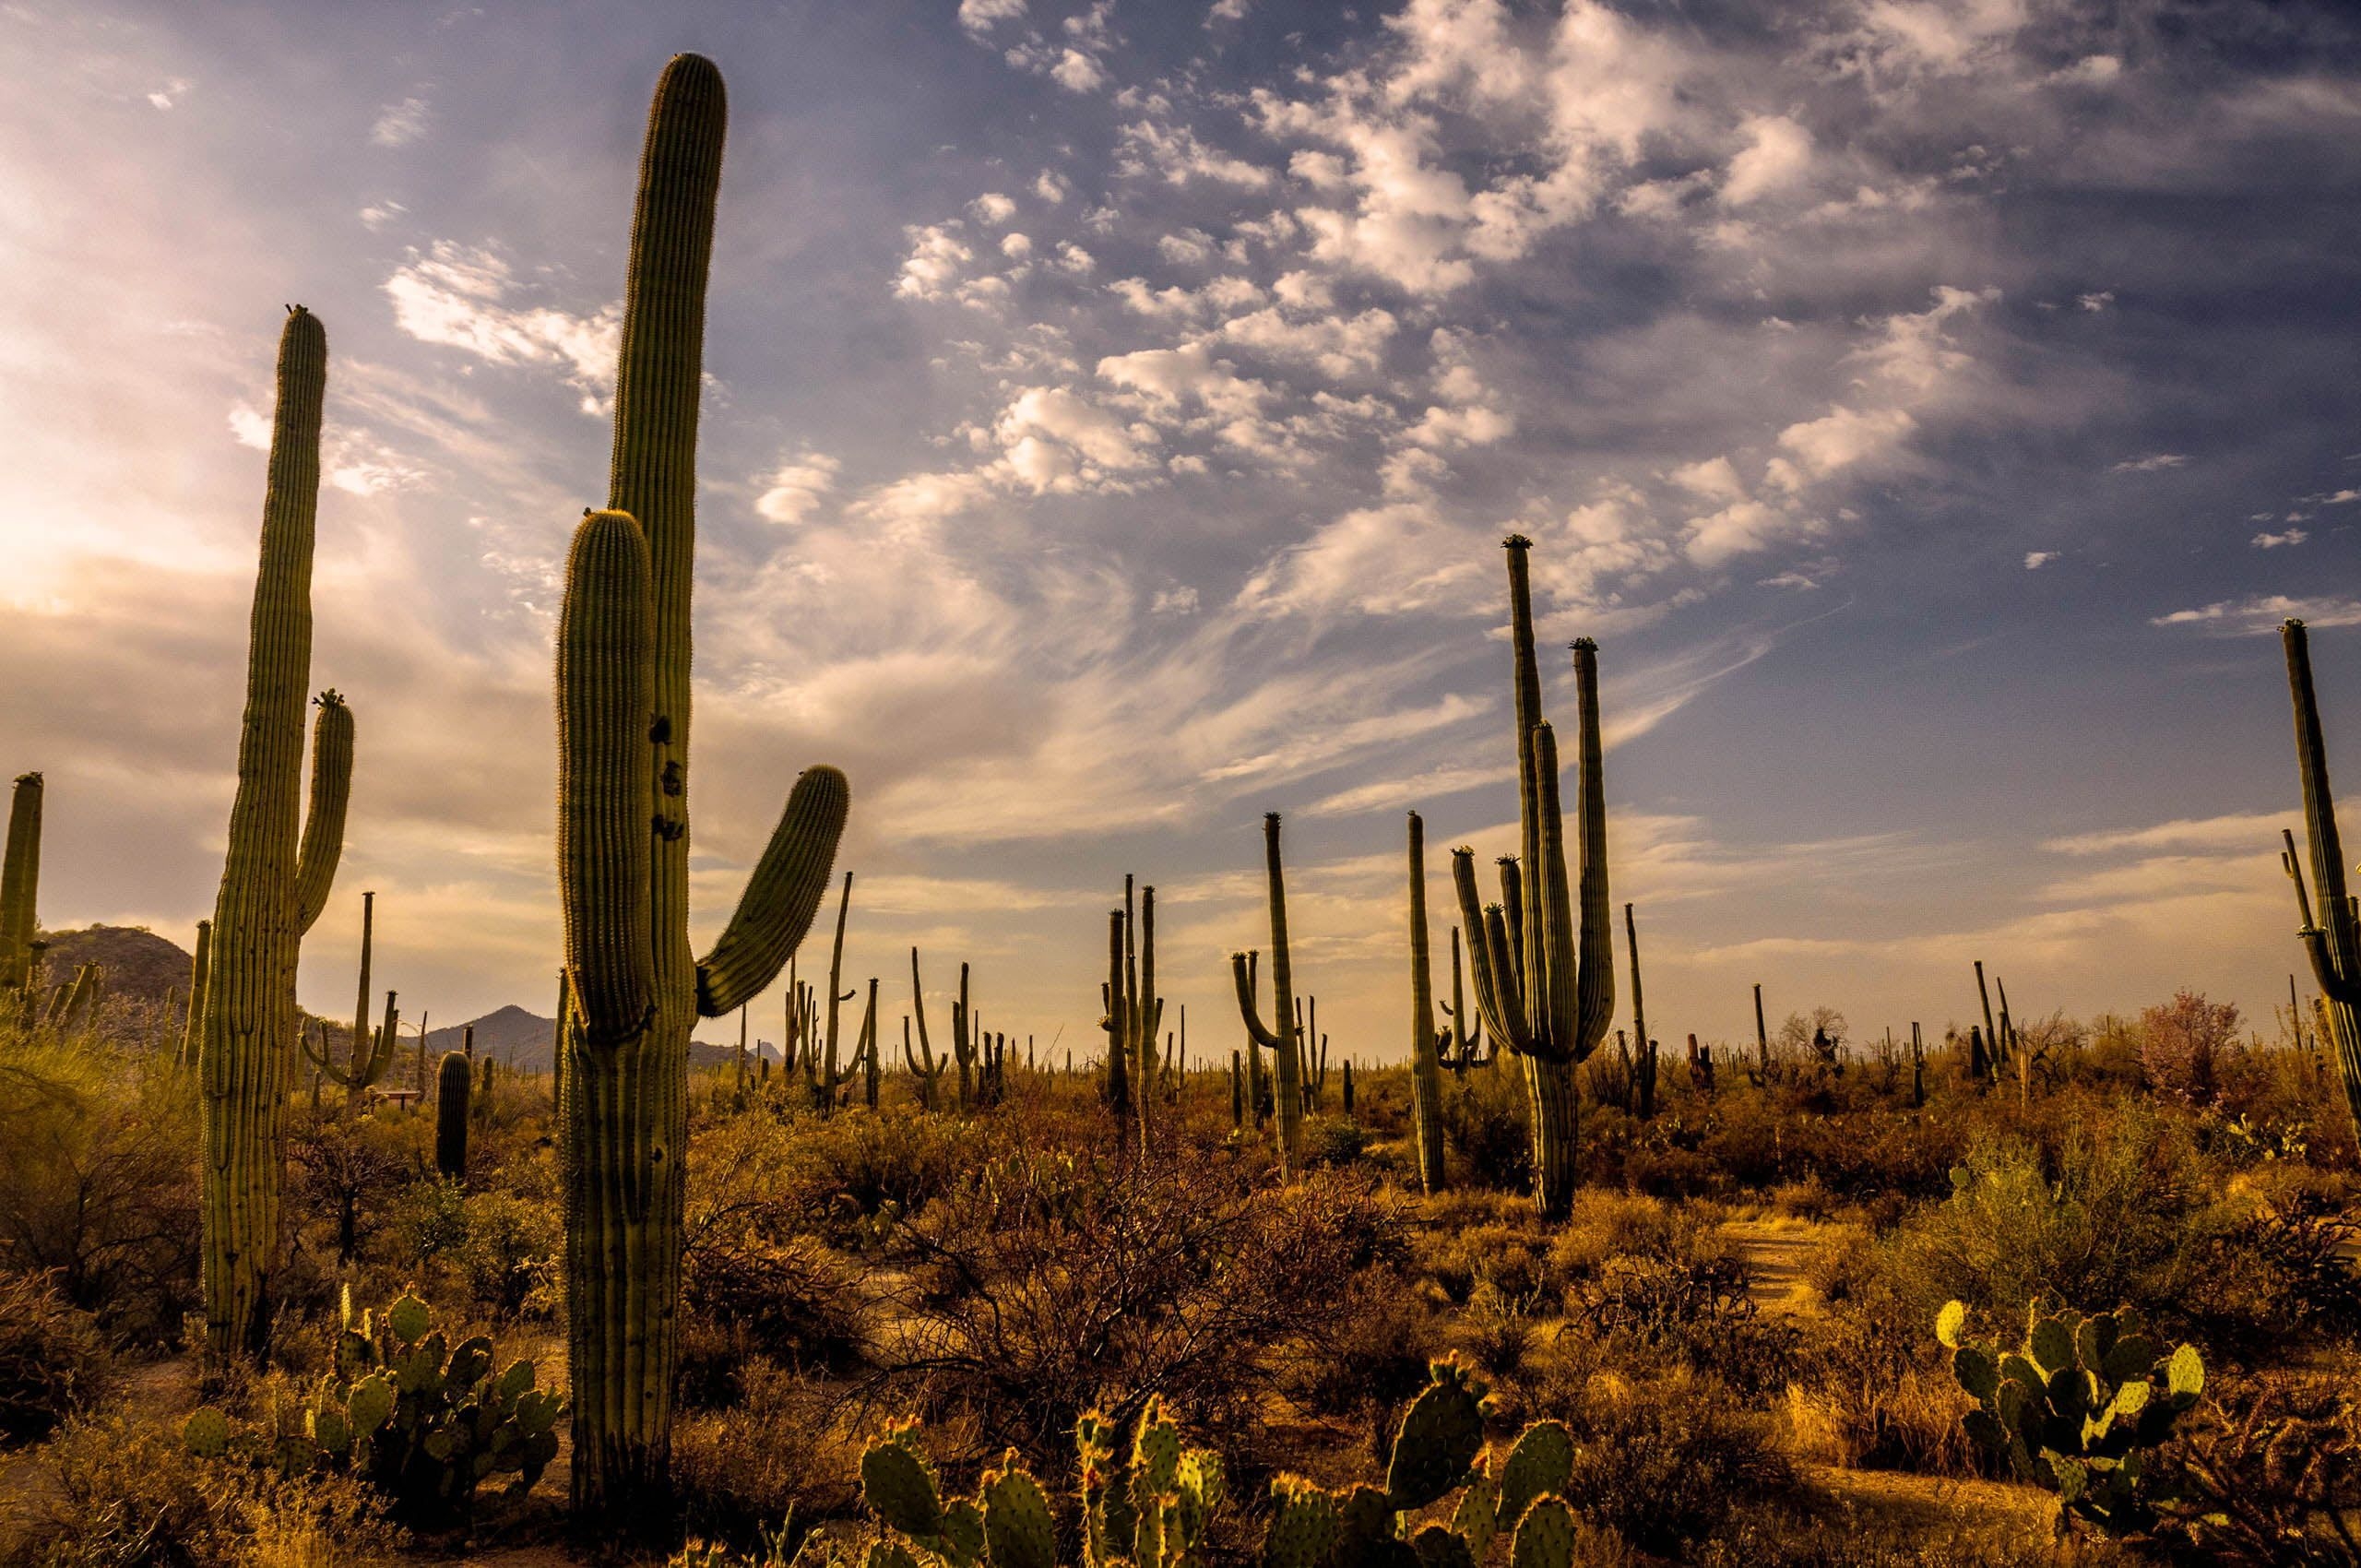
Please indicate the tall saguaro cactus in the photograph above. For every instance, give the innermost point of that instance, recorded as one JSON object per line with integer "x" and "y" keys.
{"x": 370, "y": 1053}
{"x": 1135, "y": 1020}
{"x": 2333, "y": 944}
{"x": 1287, "y": 1094}
{"x": 20, "y": 883}
{"x": 1425, "y": 1065}
{"x": 1546, "y": 983}
{"x": 275, "y": 878}
{"x": 623, "y": 709}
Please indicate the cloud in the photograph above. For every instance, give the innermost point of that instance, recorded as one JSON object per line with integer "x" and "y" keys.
{"x": 980, "y": 17}
{"x": 2096, "y": 303}
{"x": 2155, "y": 462}
{"x": 399, "y": 124}
{"x": 170, "y": 93}
{"x": 1051, "y": 186}
{"x": 1776, "y": 157}
{"x": 376, "y": 214}
{"x": 2036, "y": 558}
{"x": 1176, "y": 154}
{"x": 2264, "y": 614}
{"x": 992, "y": 208}
{"x": 1339, "y": 347}
{"x": 933, "y": 268}
{"x": 249, "y": 427}
{"x": 795, "y": 488}
{"x": 1077, "y": 72}
{"x": 460, "y": 298}
{"x": 2274, "y": 540}
{"x": 1387, "y": 560}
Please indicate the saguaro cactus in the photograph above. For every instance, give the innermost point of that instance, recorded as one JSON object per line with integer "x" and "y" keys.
{"x": 1287, "y": 1094}
{"x": 193, "y": 1029}
{"x": 623, "y": 711}
{"x": 1425, "y": 1066}
{"x": 2333, "y": 944}
{"x": 20, "y": 883}
{"x": 1545, "y": 985}
{"x": 1644, "y": 1061}
{"x": 1135, "y": 1018}
{"x": 370, "y": 1053}
{"x": 275, "y": 878}
{"x": 454, "y": 1081}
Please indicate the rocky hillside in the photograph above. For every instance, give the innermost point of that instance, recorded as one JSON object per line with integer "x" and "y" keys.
{"x": 138, "y": 962}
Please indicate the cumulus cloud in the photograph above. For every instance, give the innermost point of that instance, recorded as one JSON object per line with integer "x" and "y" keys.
{"x": 794, "y": 490}
{"x": 980, "y": 17}
{"x": 1776, "y": 157}
{"x": 932, "y": 267}
{"x": 2276, "y": 541}
{"x": 2156, "y": 462}
{"x": 465, "y": 298}
{"x": 2036, "y": 558}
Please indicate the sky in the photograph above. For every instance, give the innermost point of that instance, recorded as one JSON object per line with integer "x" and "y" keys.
{"x": 1112, "y": 414}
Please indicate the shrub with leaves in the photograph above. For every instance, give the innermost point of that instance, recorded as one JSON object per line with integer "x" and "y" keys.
{"x": 424, "y": 1424}
{"x": 2078, "y": 1408}
{"x": 54, "y": 1360}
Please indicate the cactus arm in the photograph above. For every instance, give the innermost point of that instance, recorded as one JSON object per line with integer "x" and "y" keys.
{"x": 1426, "y": 1069}
{"x": 1490, "y": 960}
{"x": 835, "y": 978}
{"x": 606, "y": 805}
{"x": 1249, "y": 1009}
{"x": 2337, "y": 987}
{"x": 1512, "y": 910}
{"x": 323, "y": 844}
{"x": 1550, "y": 980}
{"x": 1596, "y": 989}
{"x": 781, "y": 895}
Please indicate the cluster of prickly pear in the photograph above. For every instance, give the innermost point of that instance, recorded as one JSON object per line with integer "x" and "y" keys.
{"x": 424, "y": 1423}
{"x": 2077, "y": 1407}
{"x": 1144, "y": 1505}
{"x": 1438, "y": 1450}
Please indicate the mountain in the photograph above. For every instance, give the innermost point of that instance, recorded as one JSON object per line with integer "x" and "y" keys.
{"x": 510, "y": 1036}
{"x": 515, "y": 1037}
{"x": 137, "y": 962}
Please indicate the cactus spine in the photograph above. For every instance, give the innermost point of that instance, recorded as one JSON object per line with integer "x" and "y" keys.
{"x": 623, "y": 704}
{"x": 1546, "y": 986}
{"x": 1287, "y": 1095}
{"x": 454, "y": 1079}
{"x": 1425, "y": 1067}
{"x": 269, "y": 890}
{"x": 2333, "y": 946}
{"x": 21, "y": 884}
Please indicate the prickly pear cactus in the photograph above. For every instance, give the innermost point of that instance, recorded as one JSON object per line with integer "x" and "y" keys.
{"x": 2077, "y": 1408}
{"x": 425, "y": 1424}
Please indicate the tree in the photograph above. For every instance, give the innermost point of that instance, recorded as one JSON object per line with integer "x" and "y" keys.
{"x": 2182, "y": 1044}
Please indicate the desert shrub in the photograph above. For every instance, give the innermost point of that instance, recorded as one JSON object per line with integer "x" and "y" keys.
{"x": 1791, "y": 1532}
{"x": 348, "y": 1169}
{"x": 96, "y": 1147}
{"x": 1368, "y": 1357}
{"x": 1485, "y": 1127}
{"x": 1663, "y": 1461}
{"x": 782, "y": 1450}
{"x": 1333, "y": 1140}
{"x": 54, "y": 1360}
{"x": 1054, "y": 1280}
{"x": 755, "y": 1299}
{"x": 2122, "y": 1215}
{"x": 128, "y": 1494}
{"x": 1871, "y": 1388}
{"x": 509, "y": 1253}
{"x": 2185, "y": 1045}
{"x": 2269, "y": 1472}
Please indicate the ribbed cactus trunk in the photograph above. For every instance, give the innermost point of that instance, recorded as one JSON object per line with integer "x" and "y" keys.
{"x": 454, "y": 1083}
{"x": 623, "y": 705}
{"x": 1543, "y": 964}
{"x": 2334, "y": 944}
{"x": 1644, "y": 1050}
{"x": 1426, "y": 1069}
{"x": 1287, "y": 1093}
{"x": 274, "y": 879}
{"x": 21, "y": 884}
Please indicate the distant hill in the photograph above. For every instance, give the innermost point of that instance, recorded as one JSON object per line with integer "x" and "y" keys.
{"x": 138, "y": 963}
{"x": 515, "y": 1038}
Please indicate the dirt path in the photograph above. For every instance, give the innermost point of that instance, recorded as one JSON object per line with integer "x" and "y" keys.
{"x": 1778, "y": 1254}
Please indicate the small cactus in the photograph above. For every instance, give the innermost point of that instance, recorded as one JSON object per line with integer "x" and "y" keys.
{"x": 453, "y": 1084}
{"x": 2077, "y": 1408}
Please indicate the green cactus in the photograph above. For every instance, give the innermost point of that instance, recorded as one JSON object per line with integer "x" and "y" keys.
{"x": 828, "y": 1068}
{"x": 192, "y": 1028}
{"x": 2333, "y": 944}
{"x": 274, "y": 879}
{"x": 925, "y": 1064}
{"x": 453, "y": 1085}
{"x": 1287, "y": 1094}
{"x": 1547, "y": 986}
{"x": 424, "y": 1423}
{"x": 21, "y": 884}
{"x": 1644, "y": 1070}
{"x": 2078, "y": 1408}
{"x": 1134, "y": 1014}
{"x": 1426, "y": 1062}
{"x": 1461, "y": 1046}
{"x": 623, "y": 726}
